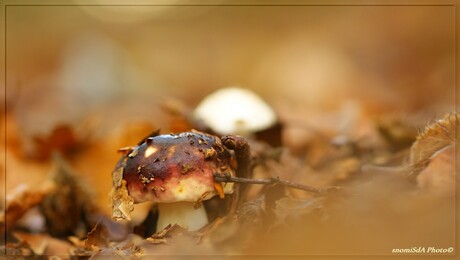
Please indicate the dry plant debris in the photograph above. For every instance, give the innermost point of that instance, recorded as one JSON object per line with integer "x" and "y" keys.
{"x": 320, "y": 187}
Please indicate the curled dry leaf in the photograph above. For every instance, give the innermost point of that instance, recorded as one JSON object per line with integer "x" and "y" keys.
{"x": 126, "y": 249}
{"x": 69, "y": 206}
{"x": 175, "y": 240}
{"x": 99, "y": 243}
{"x": 97, "y": 238}
{"x": 439, "y": 175}
{"x": 207, "y": 238}
{"x": 432, "y": 140}
{"x": 43, "y": 244}
{"x": 167, "y": 234}
{"x": 23, "y": 199}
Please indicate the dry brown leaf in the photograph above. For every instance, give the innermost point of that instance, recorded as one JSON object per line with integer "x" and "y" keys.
{"x": 175, "y": 240}
{"x": 97, "y": 238}
{"x": 62, "y": 139}
{"x": 19, "y": 250}
{"x": 439, "y": 175}
{"x": 396, "y": 133}
{"x": 68, "y": 207}
{"x": 171, "y": 233}
{"x": 431, "y": 140}
{"x": 163, "y": 235}
{"x": 120, "y": 251}
{"x": 23, "y": 199}
{"x": 43, "y": 244}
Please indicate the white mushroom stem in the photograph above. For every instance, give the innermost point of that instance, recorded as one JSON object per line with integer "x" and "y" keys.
{"x": 183, "y": 214}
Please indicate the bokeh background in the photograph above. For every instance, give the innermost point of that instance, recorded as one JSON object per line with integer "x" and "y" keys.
{"x": 104, "y": 71}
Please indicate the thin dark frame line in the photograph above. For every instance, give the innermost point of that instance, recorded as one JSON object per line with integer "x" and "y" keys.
{"x": 230, "y": 5}
{"x": 457, "y": 131}
{"x": 5, "y": 107}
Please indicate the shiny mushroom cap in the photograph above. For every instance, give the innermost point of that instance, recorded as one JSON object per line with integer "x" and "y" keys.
{"x": 177, "y": 167}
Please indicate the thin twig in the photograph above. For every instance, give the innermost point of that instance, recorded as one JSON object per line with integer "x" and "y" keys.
{"x": 228, "y": 178}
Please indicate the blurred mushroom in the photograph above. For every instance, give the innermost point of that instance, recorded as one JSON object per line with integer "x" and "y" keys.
{"x": 235, "y": 111}
{"x": 177, "y": 172}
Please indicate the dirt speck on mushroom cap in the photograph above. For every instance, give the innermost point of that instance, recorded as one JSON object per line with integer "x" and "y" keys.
{"x": 176, "y": 167}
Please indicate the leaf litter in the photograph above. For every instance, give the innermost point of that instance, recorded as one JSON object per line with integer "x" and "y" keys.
{"x": 371, "y": 181}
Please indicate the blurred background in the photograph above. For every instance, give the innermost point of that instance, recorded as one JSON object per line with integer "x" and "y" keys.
{"x": 386, "y": 57}
{"x": 102, "y": 72}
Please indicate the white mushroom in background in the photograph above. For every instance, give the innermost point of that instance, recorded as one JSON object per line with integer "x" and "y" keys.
{"x": 235, "y": 110}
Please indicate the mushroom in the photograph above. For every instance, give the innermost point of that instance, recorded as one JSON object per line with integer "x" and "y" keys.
{"x": 177, "y": 172}
{"x": 235, "y": 110}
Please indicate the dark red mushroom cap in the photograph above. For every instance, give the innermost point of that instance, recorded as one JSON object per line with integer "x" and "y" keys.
{"x": 176, "y": 167}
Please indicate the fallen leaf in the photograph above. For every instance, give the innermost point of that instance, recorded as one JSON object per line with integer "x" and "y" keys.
{"x": 23, "y": 199}
{"x": 432, "y": 139}
{"x": 68, "y": 207}
{"x": 439, "y": 175}
{"x": 20, "y": 249}
{"x": 62, "y": 139}
{"x": 97, "y": 238}
{"x": 43, "y": 244}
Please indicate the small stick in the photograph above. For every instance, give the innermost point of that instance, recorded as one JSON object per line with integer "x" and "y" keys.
{"x": 228, "y": 178}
